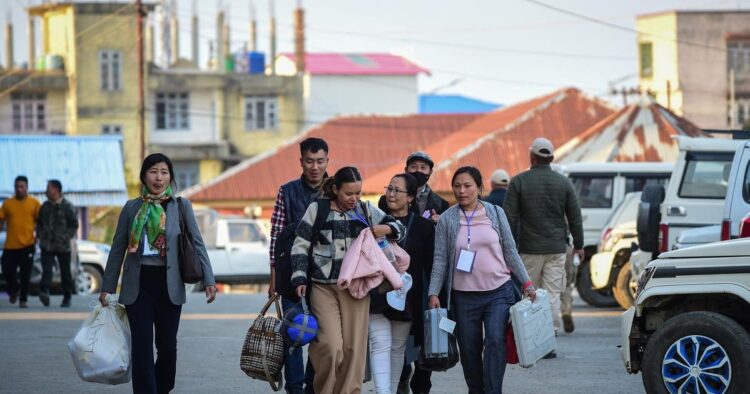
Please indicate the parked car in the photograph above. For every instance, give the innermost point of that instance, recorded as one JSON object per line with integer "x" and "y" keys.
{"x": 93, "y": 259}
{"x": 610, "y": 267}
{"x": 689, "y": 331}
{"x": 601, "y": 187}
{"x": 695, "y": 197}
{"x": 237, "y": 247}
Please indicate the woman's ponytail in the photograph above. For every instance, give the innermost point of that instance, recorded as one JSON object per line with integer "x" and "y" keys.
{"x": 326, "y": 188}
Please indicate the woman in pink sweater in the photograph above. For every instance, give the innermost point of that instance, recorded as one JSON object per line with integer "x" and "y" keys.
{"x": 474, "y": 248}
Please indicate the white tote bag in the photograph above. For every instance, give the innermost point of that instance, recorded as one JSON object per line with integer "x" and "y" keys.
{"x": 101, "y": 347}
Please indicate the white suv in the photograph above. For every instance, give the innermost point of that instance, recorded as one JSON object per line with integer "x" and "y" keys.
{"x": 601, "y": 187}
{"x": 690, "y": 329}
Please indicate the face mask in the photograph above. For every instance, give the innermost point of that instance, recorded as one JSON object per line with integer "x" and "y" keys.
{"x": 421, "y": 178}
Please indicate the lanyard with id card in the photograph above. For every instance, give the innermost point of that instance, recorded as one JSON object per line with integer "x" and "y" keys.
{"x": 466, "y": 256}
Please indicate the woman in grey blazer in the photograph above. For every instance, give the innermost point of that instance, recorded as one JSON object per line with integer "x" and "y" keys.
{"x": 146, "y": 241}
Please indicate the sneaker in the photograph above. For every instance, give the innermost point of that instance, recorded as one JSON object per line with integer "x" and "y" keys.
{"x": 23, "y": 305}
{"x": 13, "y": 298}
{"x": 44, "y": 297}
{"x": 65, "y": 303}
{"x": 550, "y": 355}
{"x": 568, "y": 323}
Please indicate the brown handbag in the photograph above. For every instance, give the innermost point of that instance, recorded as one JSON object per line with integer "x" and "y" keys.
{"x": 190, "y": 261}
{"x": 262, "y": 354}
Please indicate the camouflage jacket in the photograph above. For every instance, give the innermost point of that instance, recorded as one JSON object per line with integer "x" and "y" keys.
{"x": 56, "y": 226}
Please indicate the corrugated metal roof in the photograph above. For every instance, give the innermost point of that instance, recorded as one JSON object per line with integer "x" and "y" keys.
{"x": 90, "y": 168}
{"x": 501, "y": 139}
{"x": 639, "y": 132}
{"x": 371, "y": 143}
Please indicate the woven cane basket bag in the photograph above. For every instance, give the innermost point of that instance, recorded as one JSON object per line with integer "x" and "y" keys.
{"x": 263, "y": 352}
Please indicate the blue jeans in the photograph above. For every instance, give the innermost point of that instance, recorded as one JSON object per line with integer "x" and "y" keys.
{"x": 294, "y": 368}
{"x": 471, "y": 310}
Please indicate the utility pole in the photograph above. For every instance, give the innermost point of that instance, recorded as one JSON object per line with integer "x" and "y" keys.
{"x": 669, "y": 95}
{"x": 141, "y": 98}
{"x": 732, "y": 102}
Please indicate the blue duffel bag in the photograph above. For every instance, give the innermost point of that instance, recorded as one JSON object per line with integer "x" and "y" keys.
{"x": 300, "y": 325}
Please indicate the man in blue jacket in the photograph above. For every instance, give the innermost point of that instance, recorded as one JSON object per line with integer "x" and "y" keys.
{"x": 291, "y": 204}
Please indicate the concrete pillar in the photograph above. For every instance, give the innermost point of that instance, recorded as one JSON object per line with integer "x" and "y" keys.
{"x": 9, "y": 46}
{"x": 32, "y": 44}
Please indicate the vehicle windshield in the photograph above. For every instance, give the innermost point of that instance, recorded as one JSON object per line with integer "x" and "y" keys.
{"x": 627, "y": 211}
{"x": 593, "y": 192}
{"x": 638, "y": 183}
{"x": 245, "y": 232}
{"x": 706, "y": 175}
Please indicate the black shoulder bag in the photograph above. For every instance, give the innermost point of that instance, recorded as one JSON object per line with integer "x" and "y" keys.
{"x": 191, "y": 269}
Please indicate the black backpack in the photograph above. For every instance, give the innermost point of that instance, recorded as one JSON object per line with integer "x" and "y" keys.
{"x": 283, "y": 250}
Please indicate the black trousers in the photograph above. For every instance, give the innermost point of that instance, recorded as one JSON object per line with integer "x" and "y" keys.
{"x": 421, "y": 381}
{"x": 12, "y": 260}
{"x": 153, "y": 313}
{"x": 48, "y": 263}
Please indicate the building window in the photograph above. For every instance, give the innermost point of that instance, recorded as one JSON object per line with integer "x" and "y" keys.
{"x": 738, "y": 53}
{"x": 110, "y": 66}
{"x": 261, "y": 113}
{"x": 172, "y": 111}
{"x": 111, "y": 129}
{"x": 646, "y": 52}
{"x": 29, "y": 112}
{"x": 186, "y": 174}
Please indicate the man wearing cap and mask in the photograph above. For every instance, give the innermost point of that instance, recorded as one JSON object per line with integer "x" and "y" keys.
{"x": 499, "y": 181}
{"x": 542, "y": 208}
{"x": 429, "y": 203}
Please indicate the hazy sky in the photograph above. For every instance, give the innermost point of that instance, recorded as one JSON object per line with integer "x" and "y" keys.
{"x": 477, "y": 48}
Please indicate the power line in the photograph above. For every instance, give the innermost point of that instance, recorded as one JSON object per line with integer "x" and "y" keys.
{"x": 566, "y": 55}
{"x": 618, "y": 27}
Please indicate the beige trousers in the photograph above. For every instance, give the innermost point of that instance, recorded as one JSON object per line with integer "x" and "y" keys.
{"x": 547, "y": 271}
{"x": 338, "y": 356}
{"x": 566, "y": 299}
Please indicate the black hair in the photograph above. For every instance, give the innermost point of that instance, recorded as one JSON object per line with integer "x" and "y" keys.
{"x": 473, "y": 172}
{"x": 542, "y": 159}
{"x": 22, "y": 178}
{"x": 411, "y": 183}
{"x": 343, "y": 175}
{"x": 56, "y": 184}
{"x": 154, "y": 159}
{"x": 312, "y": 145}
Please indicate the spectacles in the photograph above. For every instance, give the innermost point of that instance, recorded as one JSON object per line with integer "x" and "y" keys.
{"x": 389, "y": 189}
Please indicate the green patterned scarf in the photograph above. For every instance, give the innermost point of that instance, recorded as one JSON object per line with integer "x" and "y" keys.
{"x": 152, "y": 216}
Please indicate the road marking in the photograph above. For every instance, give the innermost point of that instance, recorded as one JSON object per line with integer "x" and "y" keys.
{"x": 602, "y": 313}
{"x": 18, "y": 316}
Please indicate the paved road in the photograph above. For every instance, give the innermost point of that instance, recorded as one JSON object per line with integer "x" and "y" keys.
{"x": 34, "y": 357}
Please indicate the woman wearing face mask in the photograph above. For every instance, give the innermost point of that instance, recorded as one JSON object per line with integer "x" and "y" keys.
{"x": 475, "y": 249}
{"x": 390, "y": 327}
{"x": 152, "y": 288}
{"x": 338, "y": 354}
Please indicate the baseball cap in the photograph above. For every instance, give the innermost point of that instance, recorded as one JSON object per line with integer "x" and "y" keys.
{"x": 397, "y": 298}
{"x": 419, "y": 155}
{"x": 500, "y": 177}
{"x": 542, "y": 147}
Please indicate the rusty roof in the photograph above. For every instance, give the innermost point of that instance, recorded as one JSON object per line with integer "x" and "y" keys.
{"x": 371, "y": 143}
{"x": 501, "y": 139}
{"x": 639, "y": 132}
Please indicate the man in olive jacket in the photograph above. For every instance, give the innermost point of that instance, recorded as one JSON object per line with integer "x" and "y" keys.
{"x": 56, "y": 227}
{"x": 542, "y": 209}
